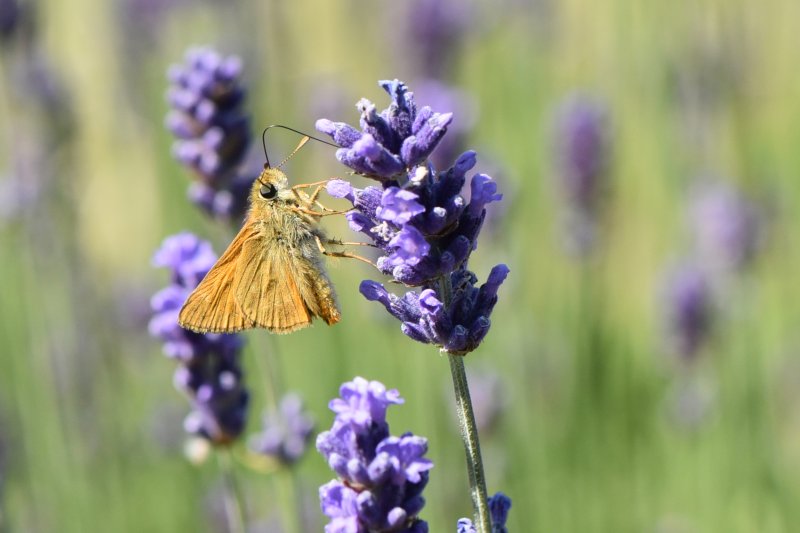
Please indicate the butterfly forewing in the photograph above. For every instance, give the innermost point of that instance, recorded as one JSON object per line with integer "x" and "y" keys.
{"x": 212, "y": 307}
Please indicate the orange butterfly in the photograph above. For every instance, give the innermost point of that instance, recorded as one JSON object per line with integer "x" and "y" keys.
{"x": 272, "y": 275}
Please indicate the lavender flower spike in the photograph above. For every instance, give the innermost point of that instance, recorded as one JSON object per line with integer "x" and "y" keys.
{"x": 286, "y": 432}
{"x": 381, "y": 477}
{"x": 426, "y": 231}
{"x": 688, "y": 310}
{"x": 419, "y": 219}
{"x": 210, "y": 373}
{"x": 582, "y": 156}
{"x": 212, "y": 131}
{"x": 726, "y": 226}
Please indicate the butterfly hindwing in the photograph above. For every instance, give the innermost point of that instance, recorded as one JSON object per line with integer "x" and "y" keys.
{"x": 279, "y": 287}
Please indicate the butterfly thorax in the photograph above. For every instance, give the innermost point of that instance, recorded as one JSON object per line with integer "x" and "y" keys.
{"x": 280, "y": 213}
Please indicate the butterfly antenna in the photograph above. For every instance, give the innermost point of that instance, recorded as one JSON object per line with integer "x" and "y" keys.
{"x": 303, "y": 141}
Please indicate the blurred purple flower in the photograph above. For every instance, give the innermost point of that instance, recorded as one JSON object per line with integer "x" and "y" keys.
{"x": 286, "y": 431}
{"x": 433, "y": 34}
{"x": 441, "y": 96}
{"x": 688, "y": 310}
{"x": 381, "y": 477}
{"x": 210, "y": 372}
{"x": 143, "y": 18}
{"x": 582, "y": 155}
{"x": 211, "y": 129}
{"x": 10, "y": 14}
{"x": 726, "y": 226}
{"x": 419, "y": 219}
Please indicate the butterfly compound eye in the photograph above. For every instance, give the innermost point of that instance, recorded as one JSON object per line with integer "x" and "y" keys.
{"x": 268, "y": 191}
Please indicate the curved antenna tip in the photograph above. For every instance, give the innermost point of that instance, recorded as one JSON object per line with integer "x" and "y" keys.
{"x": 264, "y": 141}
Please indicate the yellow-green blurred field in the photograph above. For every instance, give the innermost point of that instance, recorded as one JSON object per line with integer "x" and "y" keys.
{"x": 587, "y": 441}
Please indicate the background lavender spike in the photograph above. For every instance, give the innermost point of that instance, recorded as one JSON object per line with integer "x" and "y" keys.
{"x": 687, "y": 310}
{"x": 10, "y": 14}
{"x": 212, "y": 130}
{"x": 439, "y": 95}
{"x": 210, "y": 373}
{"x": 420, "y": 221}
{"x": 286, "y": 431}
{"x": 381, "y": 477}
{"x": 433, "y": 32}
{"x": 726, "y": 226}
{"x": 582, "y": 148}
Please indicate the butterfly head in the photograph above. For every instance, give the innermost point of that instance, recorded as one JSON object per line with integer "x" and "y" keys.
{"x": 271, "y": 187}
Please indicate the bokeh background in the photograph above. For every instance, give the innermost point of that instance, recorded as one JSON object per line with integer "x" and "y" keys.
{"x": 643, "y": 368}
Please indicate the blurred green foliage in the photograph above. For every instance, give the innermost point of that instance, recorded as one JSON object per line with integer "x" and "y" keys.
{"x": 90, "y": 425}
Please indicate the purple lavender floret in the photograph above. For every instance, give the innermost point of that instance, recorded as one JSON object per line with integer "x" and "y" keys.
{"x": 381, "y": 477}
{"x": 461, "y": 326}
{"x": 286, "y": 431}
{"x": 418, "y": 218}
{"x": 392, "y": 141}
{"x": 210, "y": 372}
{"x": 465, "y": 525}
{"x": 499, "y": 505}
{"x": 212, "y": 130}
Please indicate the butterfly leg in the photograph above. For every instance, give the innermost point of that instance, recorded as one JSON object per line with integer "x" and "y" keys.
{"x": 327, "y": 212}
{"x": 348, "y": 255}
{"x": 318, "y": 188}
{"x": 312, "y": 184}
{"x": 312, "y": 199}
{"x": 353, "y": 243}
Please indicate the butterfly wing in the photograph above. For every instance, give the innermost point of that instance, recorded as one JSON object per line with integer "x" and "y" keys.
{"x": 280, "y": 288}
{"x": 212, "y": 307}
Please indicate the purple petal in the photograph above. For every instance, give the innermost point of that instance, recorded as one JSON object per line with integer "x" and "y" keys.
{"x": 374, "y": 291}
{"x": 499, "y": 505}
{"x": 399, "y": 206}
{"x": 343, "y": 134}
{"x": 429, "y": 303}
{"x": 416, "y": 332}
{"x": 340, "y": 189}
{"x": 483, "y": 190}
{"x": 417, "y": 148}
{"x": 409, "y": 247}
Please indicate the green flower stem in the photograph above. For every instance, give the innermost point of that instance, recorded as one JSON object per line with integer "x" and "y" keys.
{"x": 468, "y": 429}
{"x": 234, "y": 508}
{"x": 469, "y": 434}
